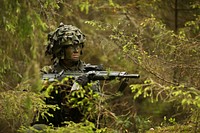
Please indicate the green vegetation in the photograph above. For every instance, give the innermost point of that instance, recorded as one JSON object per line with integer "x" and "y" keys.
{"x": 157, "y": 39}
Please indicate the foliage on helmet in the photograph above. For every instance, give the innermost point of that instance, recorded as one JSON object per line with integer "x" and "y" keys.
{"x": 64, "y": 35}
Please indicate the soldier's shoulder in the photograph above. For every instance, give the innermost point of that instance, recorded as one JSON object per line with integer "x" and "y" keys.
{"x": 47, "y": 69}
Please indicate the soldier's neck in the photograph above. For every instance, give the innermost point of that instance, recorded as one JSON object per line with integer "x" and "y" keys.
{"x": 69, "y": 63}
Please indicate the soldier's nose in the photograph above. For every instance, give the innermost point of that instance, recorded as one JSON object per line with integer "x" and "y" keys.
{"x": 75, "y": 49}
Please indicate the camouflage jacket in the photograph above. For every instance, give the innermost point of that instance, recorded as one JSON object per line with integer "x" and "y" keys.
{"x": 79, "y": 66}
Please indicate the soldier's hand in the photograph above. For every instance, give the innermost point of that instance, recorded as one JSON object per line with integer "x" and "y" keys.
{"x": 83, "y": 80}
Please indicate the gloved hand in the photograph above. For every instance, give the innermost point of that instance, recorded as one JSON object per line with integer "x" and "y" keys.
{"x": 83, "y": 80}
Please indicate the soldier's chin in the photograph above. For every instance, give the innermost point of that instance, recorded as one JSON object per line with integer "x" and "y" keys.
{"x": 75, "y": 58}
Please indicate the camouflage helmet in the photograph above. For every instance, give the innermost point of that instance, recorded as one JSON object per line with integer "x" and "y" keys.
{"x": 64, "y": 35}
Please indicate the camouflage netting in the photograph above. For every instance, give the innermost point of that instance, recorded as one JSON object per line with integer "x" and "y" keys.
{"x": 64, "y": 35}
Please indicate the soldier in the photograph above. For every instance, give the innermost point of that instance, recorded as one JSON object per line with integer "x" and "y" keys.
{"x": 65, "y": 45}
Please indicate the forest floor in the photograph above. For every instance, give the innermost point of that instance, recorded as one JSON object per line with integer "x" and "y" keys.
{"x": 190, "y": 128}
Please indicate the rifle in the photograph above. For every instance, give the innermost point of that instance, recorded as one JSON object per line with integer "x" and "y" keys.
{"x": 94, "y": 73}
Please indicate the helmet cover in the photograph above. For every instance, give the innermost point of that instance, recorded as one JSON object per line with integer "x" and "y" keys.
{"x": 64, "y": 35}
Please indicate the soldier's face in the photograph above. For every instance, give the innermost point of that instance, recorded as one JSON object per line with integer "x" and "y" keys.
{"x": 73, "y": 52}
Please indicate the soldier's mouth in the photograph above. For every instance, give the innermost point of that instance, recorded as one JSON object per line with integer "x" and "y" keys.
{"x": 74, "y": 56}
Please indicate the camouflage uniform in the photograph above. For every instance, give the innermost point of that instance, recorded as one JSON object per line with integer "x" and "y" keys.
{"x": 79, "y": 66}
{"x": 64, "y": 35}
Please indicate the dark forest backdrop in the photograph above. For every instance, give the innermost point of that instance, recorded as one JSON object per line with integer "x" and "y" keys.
{"x": 159, "y": 39}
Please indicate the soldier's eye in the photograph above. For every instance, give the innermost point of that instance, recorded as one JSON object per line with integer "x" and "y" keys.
{"x": 77, "y": 46}
{"x": 68, "y": 47}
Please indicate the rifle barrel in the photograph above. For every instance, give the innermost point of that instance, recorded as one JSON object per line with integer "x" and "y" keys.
{"x": 132, "y": 76}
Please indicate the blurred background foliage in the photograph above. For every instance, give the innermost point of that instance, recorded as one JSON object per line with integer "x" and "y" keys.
{"x": 158, "y": 39}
